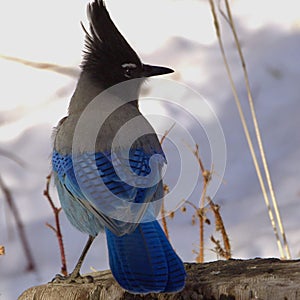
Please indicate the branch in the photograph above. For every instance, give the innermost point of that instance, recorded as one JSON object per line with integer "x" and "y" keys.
{"x": 20, "y": 226}
{"x": 56, "y": 229}
{"x": 68, "y": 71}
{"x": 230, "y": 279}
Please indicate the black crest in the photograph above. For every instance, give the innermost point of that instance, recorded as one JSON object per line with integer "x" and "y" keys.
{"x": 106, "y": 49}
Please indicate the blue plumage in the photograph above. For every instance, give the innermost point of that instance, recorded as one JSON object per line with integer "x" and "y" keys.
{"x": 144, "y": 261}
{"x": 111, "y": 181}
{"x": 91, "y": 181}
{"x": 141, "y": 258}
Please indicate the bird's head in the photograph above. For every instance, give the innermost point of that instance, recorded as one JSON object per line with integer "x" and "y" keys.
{"x": 108, "y": 58}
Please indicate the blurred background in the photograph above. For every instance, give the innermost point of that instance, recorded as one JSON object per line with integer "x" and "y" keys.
{"x": 40, "y": 52}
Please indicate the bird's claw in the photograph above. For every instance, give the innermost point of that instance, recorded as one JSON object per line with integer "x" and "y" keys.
{"x": 72, "y": 279}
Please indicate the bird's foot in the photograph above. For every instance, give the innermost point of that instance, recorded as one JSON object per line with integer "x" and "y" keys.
{"x": 72, "y": 278}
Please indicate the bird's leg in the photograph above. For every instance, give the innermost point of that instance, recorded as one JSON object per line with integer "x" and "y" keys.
{"x": 75, "y": 276}
{"x": 76, "y": 272}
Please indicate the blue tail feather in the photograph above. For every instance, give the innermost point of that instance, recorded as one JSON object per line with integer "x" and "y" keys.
{"x": 144, "y": 261}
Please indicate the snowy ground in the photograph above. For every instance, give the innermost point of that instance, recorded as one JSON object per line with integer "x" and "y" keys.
{"x": 178, "y": 34}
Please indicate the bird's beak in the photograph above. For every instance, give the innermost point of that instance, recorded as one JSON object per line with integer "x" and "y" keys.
{"x": 149, "y": 70}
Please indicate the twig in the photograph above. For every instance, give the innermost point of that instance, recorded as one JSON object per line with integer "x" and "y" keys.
{"x": 220, "y": 227}
{"x": 166, "y": 133}
{"x": 9, "y": 199}
{"x": 68, "y": 71}
{"x": 218, "y": 248}
{"x": 163, "y": 217}
{"x": 166, "y": 190}
{"x": 56, "y": 229}
{"x": 206, "y": 174}
{"x": 201, "y": 215}
{"x": 13, "y": 157}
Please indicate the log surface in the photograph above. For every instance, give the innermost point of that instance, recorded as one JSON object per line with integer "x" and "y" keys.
{"x": 267, "y": 279}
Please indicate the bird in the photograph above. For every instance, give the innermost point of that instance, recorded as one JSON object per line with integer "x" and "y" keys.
{"x": 113, "y": 183}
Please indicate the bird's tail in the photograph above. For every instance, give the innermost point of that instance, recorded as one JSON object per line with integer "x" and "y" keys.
{"x": 144, "y": 261}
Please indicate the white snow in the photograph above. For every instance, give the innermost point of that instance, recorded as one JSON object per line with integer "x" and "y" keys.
{"x": 174, "y": 33}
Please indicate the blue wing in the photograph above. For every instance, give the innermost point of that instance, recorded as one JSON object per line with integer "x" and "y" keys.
{"x": 110, "y": 190}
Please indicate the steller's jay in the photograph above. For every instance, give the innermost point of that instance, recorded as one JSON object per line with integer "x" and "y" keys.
{"x": 114, "y": 184}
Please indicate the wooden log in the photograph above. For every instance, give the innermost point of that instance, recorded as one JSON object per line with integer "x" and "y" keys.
{"x": 266, "y": 279}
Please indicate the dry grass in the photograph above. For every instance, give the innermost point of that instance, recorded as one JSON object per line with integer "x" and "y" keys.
{"x": 266, "y": 187}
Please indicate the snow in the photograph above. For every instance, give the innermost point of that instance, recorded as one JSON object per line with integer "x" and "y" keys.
{"x": 178, "y": 34}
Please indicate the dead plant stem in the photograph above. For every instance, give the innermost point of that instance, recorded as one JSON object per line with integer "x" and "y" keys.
{"x": 245, "y": 127}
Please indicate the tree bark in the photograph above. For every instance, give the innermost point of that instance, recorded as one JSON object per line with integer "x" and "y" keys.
{"x": 267, "y": 279}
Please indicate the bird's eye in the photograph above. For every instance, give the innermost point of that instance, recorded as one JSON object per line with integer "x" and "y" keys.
{"x": 128, "y": 69}
{"x": 127, "y": 73}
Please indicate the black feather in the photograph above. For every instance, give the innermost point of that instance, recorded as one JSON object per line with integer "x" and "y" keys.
{"x": 106, "y": 48}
